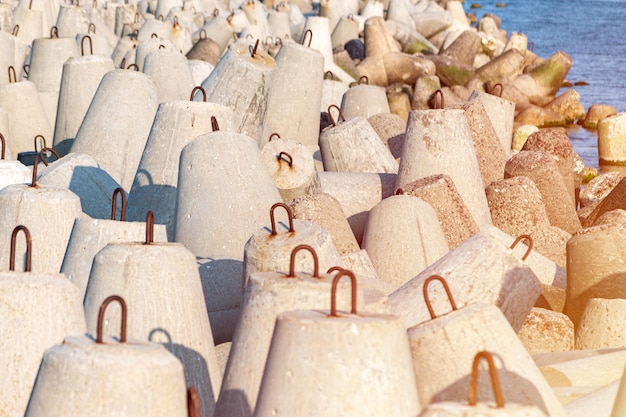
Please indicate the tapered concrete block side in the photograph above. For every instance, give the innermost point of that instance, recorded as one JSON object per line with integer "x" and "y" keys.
{"x": 248, "y": 99}
{"x": 118, "y": 146}
{"x": 402, "y": 237}
{"x": 170, "y": 72}
{"x": 482, "y": 269}
{"x": 161, "y": 285}
{"x": 266, "y": 296}
{"x": 613, "y": 200}
{"x": 39, "y": 311}
{"x": 33, "y": 207}
{"x": 601, "y": 324}
{"x": 79, "y": 368}
{"x": 439, "y": 142}
{"x": 440, "y": 192}
{"x": 542, "y": 168}
{"x": 443, "y": 350}
{"x": 595, "y": 267}
{"x": 387, "y": 383}
{"x": 547, "y": 331}
{"x": 155, "y": 185}
{"x": 501, "y": 112}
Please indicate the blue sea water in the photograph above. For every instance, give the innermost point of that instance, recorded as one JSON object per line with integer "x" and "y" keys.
{"x": 591, "y": 32}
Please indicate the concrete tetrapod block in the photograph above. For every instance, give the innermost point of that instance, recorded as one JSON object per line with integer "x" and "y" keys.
{"x": 599, "y": 187}
{"x": 440, "y": 142}
{"x": 130, "y": 99}
{"x": 542, "y": 168}
{"x": 267, "y": 294}
{"x": 501, "y": 113}
{"x": 224, "y": 191}
{"x": 402, "y": 237}
{"x": 357, "y": 193}
{"x": 547, "y": 331}
{"x": 79, "y": 83}
{"x": 49, "y": 214}
{"x": 147, "y": 46}
{"x": 13, "y": 172}
{"x": 612, "y": 201}
{"x": 82, "y": 175}
{"x": 303, "y": 377}
{"x": 595, "y": 267}
{"x": 326, "y": 211}
{"x": 248, "y": 99}
{"x": 89, "y": 236}
{"x": 161, "y": 286}
{"x": 353, "y": 146}
{"x": 39, "y": 310}
{"x": 489, "y": 153}
{"x": 171, "y": 73}
{"x": 175, "y": 125}
{"x": 365, "y": 101}
{"x": 134, "y": 379}
{"x": 439, "y": 191}
{"x": 390, "y": 128}
{"x": 482, "y": 269}
{"x": 601, "y": 324}
{"x": 295, "y": 94}
{"x": 611, "y": 150}
{"x": 292, "y": 167}
{"x": 443, "y": 350}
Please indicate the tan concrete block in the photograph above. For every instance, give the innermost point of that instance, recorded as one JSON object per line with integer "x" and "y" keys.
{"x": 547, "y": 331}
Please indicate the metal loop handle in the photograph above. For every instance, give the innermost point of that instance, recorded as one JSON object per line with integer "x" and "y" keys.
{"x": 214, "y": 125}
{"x": 333, "y": 269}
{"x": 253, "y": 49}
{"x": 328, "y": 75}
{"x": 33, "y": 182}
{"x": 363, "y": 77}
{"x": 3, "y": 142}
{"x": 193, "y": 403}
{"x": 16, "y": 30}
{"x": 429, "y": 306}
{"x": 202, "y": 34}
{"x": 133, "y": 66}
{"x": 399, "y": 191}
{"x": 289, "y": 214}
{"x": 310, "y": 36}
{"x": 195, "y": 89}
{"x": 101, "y": 312}
{"x": 43, "y": 142}
{"x": 280, "y": 156}
{"x": 273, "y": 135}
{"x": 493, "y": 374}
{"x": 437, "y": 100}
{"x": 495, "y": 87}
{"x": 333, "y": 291}
{"x": 11, "y": 71}
{"x": 149, "y": 227}
{"x": 27, "y": 267}
{"x": 26, "y": 68}
{"x": 292, "y": 260}
{"x": 54, "y": 32}
{"x": 43, "y": 157}
{"x": 332, "y": 119}
{"x": 122, "y": 193}
{"x": 82, "y": 45}
{"x": 529, "y": 244}
{"x": 91, "y": 28}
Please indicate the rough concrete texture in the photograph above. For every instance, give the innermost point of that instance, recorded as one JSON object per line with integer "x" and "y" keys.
{"x": 547, "y": 331}
{"x": 265, "y": 252}
{"x": 390, "y": 128}
{"x": 482, "y": 269}
{"x": 77, "y": 368}
{"x": 353, "y": 346}
{"x": 402, "y": 237}
{"x": 39, "y": 311}
{"x": 612, "y": 201}
{"x": 599, "y": 187}
{"x": 325, "y": 210}
{"x": 543, "y": 169}
{"x": 551, "y": 298}
{"x": 597, "y": 112}
{"x": 489, "y": 152}
{"x": 611, "y": 146}
{"x": 49, "y": 215}
{"x": 443, "y": 351}
{"x": 89, "y": 236}
{"x": 596, "y": 267}
{"x": 161, "y": 285}
{"x": 551, "y": 242}
{"x": 516, "y": 206}
{"x": 440, "y": 142}
{"x": 501, "y": 113}
{"x": 439, "y": 191}
{"x": 617, "y": 216}
{"x": 602, "y": 324}
{"x": 268, "y": 294}
{"x": 354, "y": 146}
{"x": 464, "y": 48}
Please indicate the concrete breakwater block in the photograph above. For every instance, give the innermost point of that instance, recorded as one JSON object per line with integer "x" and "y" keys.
{"x": 171, "y": 73}
{"x": 13, "y": 172}
{"x": 133, "y": 377}
{"x": 365, "y": 101}
{"x": 176, "y": 124}
{"x": 440, "y": 192}
{"x": 482, "y": 269}
{"x": 439, "y": 142}
{"x": 612, "y": 201}
{"x": 39, "y": 310}
{"x": 588, "y": 371}
{"x": 118, "y": 146}
{"x": 611, "y": 147}
{"x": 161, "y": 286}
{"x": 267, "y": 294}
{"x": 354, "y": 345}
{"x": 599, "y": 402}
{"x": 600, "y": 324}
{"x": 547, "y": 331}
{"x": 227, "y": 198}
{"x": 402, "y": 237}
{"x": 501, "y": 112}
{"x": 599, "y": 187}
{"x": 444, "y": 347}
